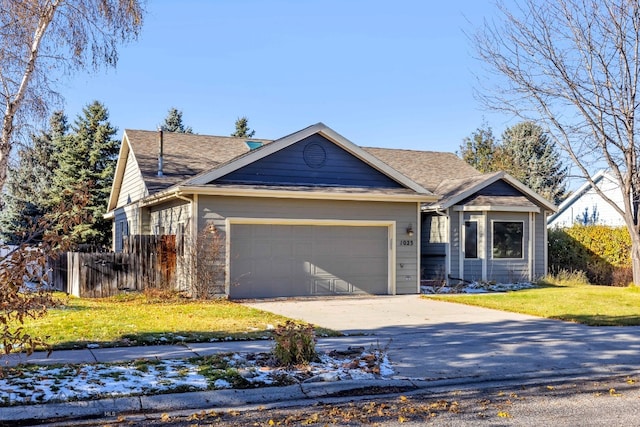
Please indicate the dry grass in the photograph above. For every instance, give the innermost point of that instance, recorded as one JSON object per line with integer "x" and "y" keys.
{"x": 144, "y": 320}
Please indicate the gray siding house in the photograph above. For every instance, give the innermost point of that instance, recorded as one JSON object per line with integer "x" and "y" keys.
{"x": 314, "y": 214}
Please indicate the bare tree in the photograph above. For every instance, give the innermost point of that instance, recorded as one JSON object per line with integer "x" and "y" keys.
{"x": 42, "y": 41}
{"x": 573, "y": 65}
{"x": 202, "y": 262}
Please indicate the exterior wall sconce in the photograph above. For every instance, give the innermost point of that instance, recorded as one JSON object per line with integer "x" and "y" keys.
{"x": 410, "y": 230}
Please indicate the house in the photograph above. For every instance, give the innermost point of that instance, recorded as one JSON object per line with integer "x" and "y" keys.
{"x": 312, "y": 213}
{"x": 586, "y": 206}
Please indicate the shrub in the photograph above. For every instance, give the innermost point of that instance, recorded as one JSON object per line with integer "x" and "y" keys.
{"x": 294, "y": 344}
{"x": 597, "y": 250}
{"x": 622, "y": 276}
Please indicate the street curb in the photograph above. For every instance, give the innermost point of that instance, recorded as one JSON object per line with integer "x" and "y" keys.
{"x": 312, "y": 391}
{"x": 112, "y": 407}
{"x": 219, "y": 398}
{"x": 81, "y": 409}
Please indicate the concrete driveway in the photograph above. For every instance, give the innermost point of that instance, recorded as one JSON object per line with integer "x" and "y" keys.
{"x": 434, "y": 340}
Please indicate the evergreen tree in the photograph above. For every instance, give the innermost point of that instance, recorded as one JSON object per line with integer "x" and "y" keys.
{"x": 242, "y": 128}
{"x": 534, "y": 161}
{"x": 480, "y": 149}
{"x": 173, "y": 122}
{"x": 28, "y": 188}
{"x": 87, "y": 157}
{"x": 525, "y": 152}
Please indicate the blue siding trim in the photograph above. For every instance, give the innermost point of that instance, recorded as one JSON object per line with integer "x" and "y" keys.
{"x": 313, "y": 161}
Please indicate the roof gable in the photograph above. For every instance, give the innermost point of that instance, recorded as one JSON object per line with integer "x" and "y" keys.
{"x": 225, "y": 170}
{"x": 483, "y": 190}
{"x": 598, "y": 179}
{"x": 125, "y": 161}
{"x": 312, "y": 161}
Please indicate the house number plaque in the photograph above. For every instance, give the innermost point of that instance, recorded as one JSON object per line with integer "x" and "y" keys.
{"x": 406, "y": 242}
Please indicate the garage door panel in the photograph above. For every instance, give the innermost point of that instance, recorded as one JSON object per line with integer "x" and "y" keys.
{"x": 283, "y": 260}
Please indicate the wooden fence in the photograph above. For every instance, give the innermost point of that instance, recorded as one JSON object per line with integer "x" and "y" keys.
{"x": 146, "y": 262}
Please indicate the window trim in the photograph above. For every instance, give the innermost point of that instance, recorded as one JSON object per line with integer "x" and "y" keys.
{"x": 464, "y": 241}
{"x": 493, "y": 238}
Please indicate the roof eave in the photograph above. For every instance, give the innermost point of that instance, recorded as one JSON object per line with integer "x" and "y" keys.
{"x": 548, "y": 206}
{"x": 184, "y": 190}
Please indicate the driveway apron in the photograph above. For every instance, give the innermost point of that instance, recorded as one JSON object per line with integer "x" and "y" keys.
{"x": 430, "y": 339}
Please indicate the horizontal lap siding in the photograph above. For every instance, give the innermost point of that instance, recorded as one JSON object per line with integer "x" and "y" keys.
{"x": 288, "y": 166}
{"x": 125, "y": 223}
{"x": 433, "y": 247}
{"x": 169, "y": 216}
{"x": 540, "y": 246}
{"x": 217, "y": 209}
{"x": 133, "y": 187}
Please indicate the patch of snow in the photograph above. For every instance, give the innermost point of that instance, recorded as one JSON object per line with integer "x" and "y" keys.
{"x": 93, "y": 345}
{"x": 220, "y": 383}
{"x": 51, "y": 383}
{"x": 476, "y": 288}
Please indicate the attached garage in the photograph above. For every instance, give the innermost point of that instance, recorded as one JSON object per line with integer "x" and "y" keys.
{"x": 310, "y": 214}
{"x": 298, "y": 259}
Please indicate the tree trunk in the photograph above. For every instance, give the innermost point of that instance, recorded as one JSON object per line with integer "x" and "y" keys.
{"x": 635, "y": 257}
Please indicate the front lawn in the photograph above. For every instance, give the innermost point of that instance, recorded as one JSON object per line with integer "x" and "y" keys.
{"x": 581, "y": 303}
{"x": 138, "y": 320}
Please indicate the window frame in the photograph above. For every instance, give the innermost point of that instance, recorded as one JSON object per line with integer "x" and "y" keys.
{"x": 464, "y": 242}
{"x": 493, "y": 240}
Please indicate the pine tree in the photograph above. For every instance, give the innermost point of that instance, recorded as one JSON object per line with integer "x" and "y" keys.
{"x": 173, "y": 122}
{"x": 534, "y": 160}
{"x": 242, "y": 128}
{"x": 28, "y": 188}
{"x": 87, "y": 157}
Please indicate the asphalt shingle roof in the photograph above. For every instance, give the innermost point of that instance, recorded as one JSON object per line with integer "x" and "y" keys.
{"x": 187, "y": 155}
{"x": 427, "y": 168}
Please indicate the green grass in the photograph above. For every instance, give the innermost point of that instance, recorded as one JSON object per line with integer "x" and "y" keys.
{"x": 565, "y": 300}
{"x": 137, "y": 320}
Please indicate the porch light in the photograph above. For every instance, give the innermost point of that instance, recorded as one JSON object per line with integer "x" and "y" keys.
{"x": 410, "y": 230}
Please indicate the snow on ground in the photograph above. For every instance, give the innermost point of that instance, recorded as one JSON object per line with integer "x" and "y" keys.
{"x": 475, "y": 288}
{"x": 32, "y": 384}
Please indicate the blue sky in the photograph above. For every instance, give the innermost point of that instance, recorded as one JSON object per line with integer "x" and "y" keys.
{"x": 381, "y": 73}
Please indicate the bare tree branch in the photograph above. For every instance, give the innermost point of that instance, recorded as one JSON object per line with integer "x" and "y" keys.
{"x": 573, "y": 65}
{"x": 44, "y": 40}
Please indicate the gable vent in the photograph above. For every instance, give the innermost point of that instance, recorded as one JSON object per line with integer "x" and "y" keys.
{"x": 314, "y": 155}
{"x": 253, "y": 144}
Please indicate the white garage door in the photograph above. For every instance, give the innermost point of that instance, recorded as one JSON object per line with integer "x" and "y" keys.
{"x": 298, "y": 260}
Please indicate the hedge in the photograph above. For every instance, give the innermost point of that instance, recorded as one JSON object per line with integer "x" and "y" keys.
{"x": 602, "y": 252}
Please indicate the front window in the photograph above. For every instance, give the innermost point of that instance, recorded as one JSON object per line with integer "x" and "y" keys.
{"x": 508, "y": 238}
{"x": 471, "y": 239}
